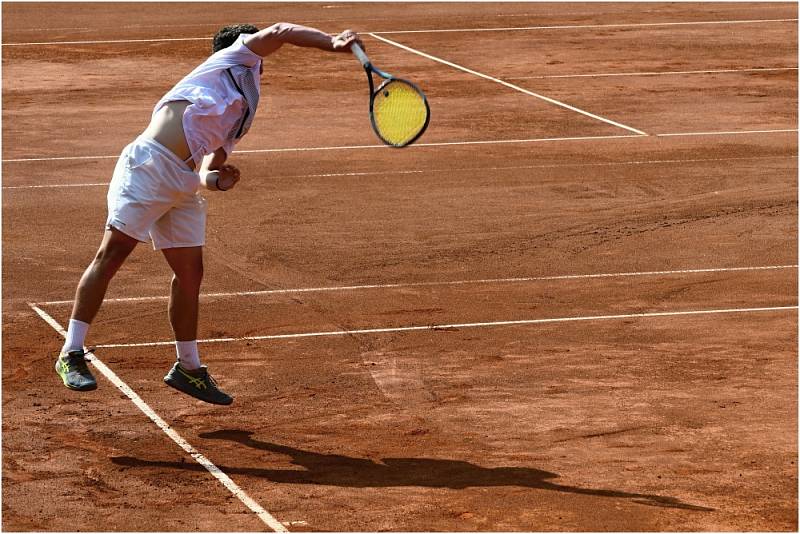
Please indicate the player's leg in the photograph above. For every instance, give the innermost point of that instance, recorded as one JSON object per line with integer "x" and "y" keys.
{"x": 187, "y": 265}
{"x": 114, "y": 250}
{"x": 71, "y": 364}
{"x": 180, "y": 235}
{"x": 134, "y": 204}
{"x": 188, "y": 374}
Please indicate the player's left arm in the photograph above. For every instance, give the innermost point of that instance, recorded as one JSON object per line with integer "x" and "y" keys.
{"x": 216, "y": 174}
{"x": 270, "y": 39}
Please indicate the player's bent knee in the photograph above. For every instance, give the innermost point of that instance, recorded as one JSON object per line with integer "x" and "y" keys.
{"x": 190, "y": 277}
{"x": 186, "y": 264}
{"x": 113, "y": 253}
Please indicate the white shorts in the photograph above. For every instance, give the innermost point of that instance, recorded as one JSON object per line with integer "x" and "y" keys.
{"x": 153, "y": 196}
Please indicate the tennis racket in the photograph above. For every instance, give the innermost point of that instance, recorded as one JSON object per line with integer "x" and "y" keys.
{"x": 398, "y": 109}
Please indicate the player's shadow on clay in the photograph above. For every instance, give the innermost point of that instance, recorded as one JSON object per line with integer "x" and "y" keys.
{"x": 338, "y": 470}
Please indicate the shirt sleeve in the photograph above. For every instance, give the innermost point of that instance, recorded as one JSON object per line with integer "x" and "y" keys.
{"x": 238, "y": 54}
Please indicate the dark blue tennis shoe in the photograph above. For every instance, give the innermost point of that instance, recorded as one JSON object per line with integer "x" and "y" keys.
{"x": 74, "y": 372}
{"x": 197, "y": 383}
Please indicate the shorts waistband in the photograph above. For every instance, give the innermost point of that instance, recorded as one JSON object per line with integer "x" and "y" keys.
{"x": 164, "y": 151}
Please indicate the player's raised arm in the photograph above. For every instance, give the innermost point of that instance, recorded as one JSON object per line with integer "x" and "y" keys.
{"x": 270, "y": 39}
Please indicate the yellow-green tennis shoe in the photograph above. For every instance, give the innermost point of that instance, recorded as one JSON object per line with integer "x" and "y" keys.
{"x": 197, "y": 383}
{"x": 74, "y": 372}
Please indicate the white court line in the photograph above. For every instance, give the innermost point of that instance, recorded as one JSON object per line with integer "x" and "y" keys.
{"x": 358, "y": 147}
{"x": 509, "y": 85}
{"x": 445, "y": 143}
{"x": 58, "y": 158}
{"x": 522, "y": 28}
{"x": 739, "y": 132}
{"x": 458, "y": 325}
{"x": 463, "y": 169}
{"x": 110, "y": 41}
{"x": 226, "y": 481}
{"x": 662, "y": 73}
{"x": 583, "y": 26}
{"x": 52, "y": 186}
{"x": 447, "y": 283}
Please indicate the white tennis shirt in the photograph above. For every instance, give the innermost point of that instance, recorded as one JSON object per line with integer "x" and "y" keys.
{"x": 224, "y": 92}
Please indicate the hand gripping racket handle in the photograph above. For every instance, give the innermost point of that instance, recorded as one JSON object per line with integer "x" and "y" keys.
{"x": 362, "y": 57}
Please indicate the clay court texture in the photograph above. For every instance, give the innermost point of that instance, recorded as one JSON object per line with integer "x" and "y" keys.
{"x": 571, "y": 305}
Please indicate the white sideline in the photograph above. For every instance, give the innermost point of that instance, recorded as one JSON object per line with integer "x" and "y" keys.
{"x": 444, "y": 143}
{"x": 226, "y": 481}
{"x": 509, "y": 85}
{"x": 654, "y": 73}
{"x": 462, "y": 169}
{"x": 446, "y": 283}
{"x": 457, "y": 326}
{"x": 522, "y": 28}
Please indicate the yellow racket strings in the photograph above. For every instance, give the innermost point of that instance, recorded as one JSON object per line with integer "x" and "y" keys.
{"x": 399, "y": 113}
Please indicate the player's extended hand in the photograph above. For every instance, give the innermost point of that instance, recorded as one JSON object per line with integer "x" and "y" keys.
{"x": 228, "y": 177}
{"x": 343, "y": 41}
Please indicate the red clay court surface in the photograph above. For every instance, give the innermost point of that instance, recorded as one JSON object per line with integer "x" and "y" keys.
{"x": 538, "y": 318}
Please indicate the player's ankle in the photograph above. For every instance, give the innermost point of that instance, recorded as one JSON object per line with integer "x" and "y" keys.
{"x": 188, "y": 355}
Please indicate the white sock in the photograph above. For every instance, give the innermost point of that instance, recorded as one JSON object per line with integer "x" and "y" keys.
{"x": 76, "y": 335}
{"x": 188, "y": 356}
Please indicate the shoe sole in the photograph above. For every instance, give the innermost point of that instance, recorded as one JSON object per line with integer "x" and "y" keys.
{"x": 90, "y": 387}
{"x": 173, "y": 385}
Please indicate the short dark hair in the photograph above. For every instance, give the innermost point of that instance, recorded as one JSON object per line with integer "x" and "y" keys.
{"x": 228, "y": 35}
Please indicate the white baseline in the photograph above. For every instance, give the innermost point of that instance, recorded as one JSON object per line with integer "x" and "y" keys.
{"x": 226, "y": 481}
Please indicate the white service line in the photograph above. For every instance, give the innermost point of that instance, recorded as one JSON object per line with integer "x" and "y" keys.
{"x": 58, "y": 158}
{"x": 587, "y": 26}
{"x": 463, "y": 169}
{"x": 509, "y": 85}
{"x": 738, "y": 132}
{"x": 446, "y": 283}
{"x": 52, "y": 186}
{"x": 459, "y": 325}
{"x": 226, "y": 481}
{"x": 655, "y": 73}
{"x": 445, "y": 143}
{"x": 358, "y": 147}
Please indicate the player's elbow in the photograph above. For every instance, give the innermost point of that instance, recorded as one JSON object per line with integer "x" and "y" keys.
{"x": 280, "y": 30}
{"x": 270, "y": 39}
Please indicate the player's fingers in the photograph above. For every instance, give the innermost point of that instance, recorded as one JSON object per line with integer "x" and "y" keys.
{"x": 229, "y": 169}
{"x": 346, "y": 39}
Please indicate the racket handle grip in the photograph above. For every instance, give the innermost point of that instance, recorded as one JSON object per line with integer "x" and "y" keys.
{"x": 362, "y": 57}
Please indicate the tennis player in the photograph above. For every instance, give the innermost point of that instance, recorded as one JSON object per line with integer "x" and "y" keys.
{"x": 154, "y": 192}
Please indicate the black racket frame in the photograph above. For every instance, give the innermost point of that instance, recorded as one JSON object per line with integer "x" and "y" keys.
{"x": 369, "y": 69}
